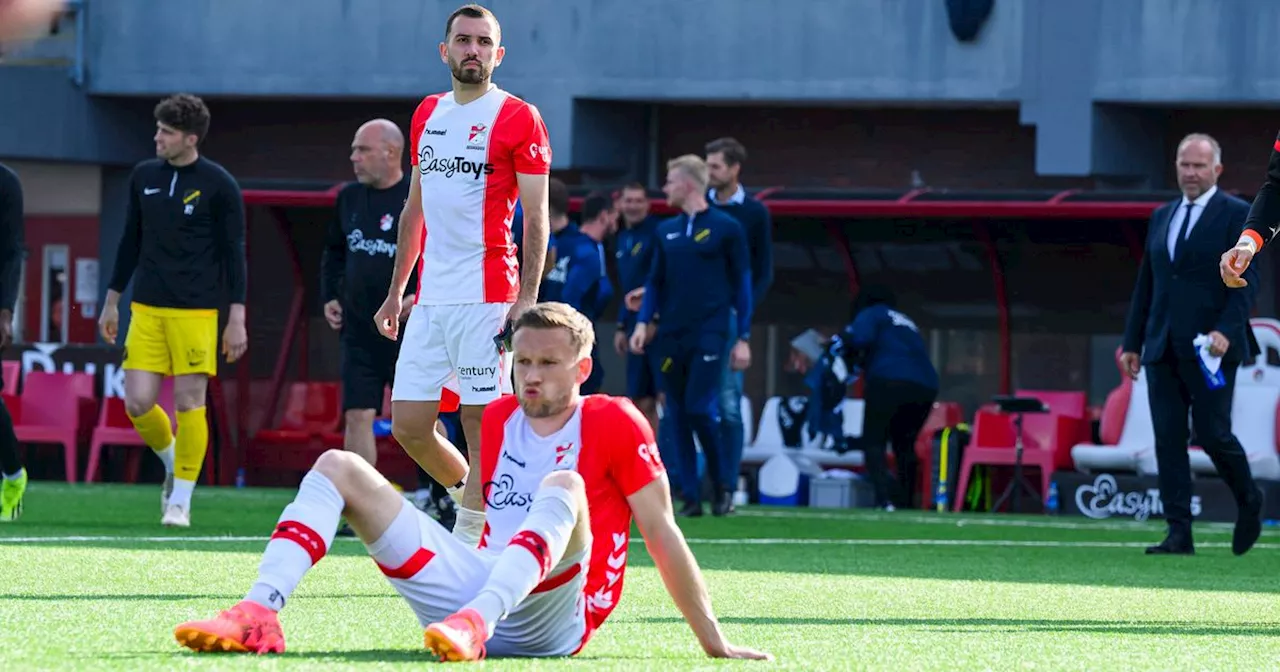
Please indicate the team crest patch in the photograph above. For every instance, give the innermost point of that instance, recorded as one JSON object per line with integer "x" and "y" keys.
{"x": 190, "y": 199}
{"x": 479, "y": 136}
{"x": 386, "y": 222}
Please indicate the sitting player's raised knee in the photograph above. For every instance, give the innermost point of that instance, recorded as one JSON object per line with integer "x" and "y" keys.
{"x": 569, "y": 480}
{"x": 338, "y": 466}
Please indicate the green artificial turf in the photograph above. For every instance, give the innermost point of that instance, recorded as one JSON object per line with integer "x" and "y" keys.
{"x": 89, "y": 580}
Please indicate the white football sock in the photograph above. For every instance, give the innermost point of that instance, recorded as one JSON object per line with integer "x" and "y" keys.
{"x": 302, "y": 536}
{"x": 166, "y": 456}
{"x": 528, "y": 558}
{"x": 182, "y": 493}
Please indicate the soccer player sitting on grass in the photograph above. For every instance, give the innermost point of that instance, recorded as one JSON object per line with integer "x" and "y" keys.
{"x": 563, "y": 475}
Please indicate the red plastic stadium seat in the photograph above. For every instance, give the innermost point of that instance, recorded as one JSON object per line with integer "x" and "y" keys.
{"x": 1047, "y": 438}
{"x": 12, "y": 373}
{"x": 115, "y": 429}
{"x": 311, "y": 411}
{"x": 52, "y": 407}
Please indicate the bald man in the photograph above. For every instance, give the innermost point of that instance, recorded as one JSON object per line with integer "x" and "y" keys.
{"x": 356, "y": 269}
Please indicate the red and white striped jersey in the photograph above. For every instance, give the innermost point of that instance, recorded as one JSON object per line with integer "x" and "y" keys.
{"x": 608, "y": 442}
{"x": 467, "y": 157}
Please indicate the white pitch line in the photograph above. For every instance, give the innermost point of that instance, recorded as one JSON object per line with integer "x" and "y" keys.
{"x": 963, "y": 520}
{"x": 994, "y": 543}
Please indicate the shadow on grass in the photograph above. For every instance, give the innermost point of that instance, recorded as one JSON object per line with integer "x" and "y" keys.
{"x": 353, "y": 656}
{"x": 1009, "y": 625}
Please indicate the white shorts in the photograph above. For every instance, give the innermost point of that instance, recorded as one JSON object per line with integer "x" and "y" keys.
{"x": 452, "y": 347}
{"x": 438, "y": 574}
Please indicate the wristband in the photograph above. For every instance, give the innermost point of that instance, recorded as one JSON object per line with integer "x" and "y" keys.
{"x": 1251, "y": 240}
{"x": 468, "y": 526}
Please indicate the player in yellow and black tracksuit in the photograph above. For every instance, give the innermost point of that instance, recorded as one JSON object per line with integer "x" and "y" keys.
{"x": 183, "y": 236}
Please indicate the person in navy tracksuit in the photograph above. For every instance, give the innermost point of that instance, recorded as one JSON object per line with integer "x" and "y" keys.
{"x": 579, "y": 277}
{"x": 634, "y": 256}
{"x": 725, "y": 157}
{"x": 900, "y": 386}
{"x": 701, "y": 274}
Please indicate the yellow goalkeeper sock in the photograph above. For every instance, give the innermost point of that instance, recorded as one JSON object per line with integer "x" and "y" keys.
{"x": 155, "y": 429}
{"x": 192, "y": 442}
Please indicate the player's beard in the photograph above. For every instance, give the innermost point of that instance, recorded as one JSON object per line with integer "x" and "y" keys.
{"x": 543, "y": 407}
{"x": 477, "y": 76}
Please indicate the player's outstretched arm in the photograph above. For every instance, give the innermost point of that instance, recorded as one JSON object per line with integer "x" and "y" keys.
{"x": 651, "y": 506}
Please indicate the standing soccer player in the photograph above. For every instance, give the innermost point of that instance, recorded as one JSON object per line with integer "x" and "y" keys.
{"x": 477, "y": 151}
{"x": 183, "y": 232}
{"x": 701, "y": 275}
{"x": 14, "y": 485}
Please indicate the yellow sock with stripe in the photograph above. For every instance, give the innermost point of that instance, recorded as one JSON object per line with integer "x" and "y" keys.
{"x": 156, "y": 431}
{"x": 192, "y": 442}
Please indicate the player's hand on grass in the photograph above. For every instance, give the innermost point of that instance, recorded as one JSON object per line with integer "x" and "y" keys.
{"x": 1235, "y": 261}
{"x": 387, "y": 318}
{"x": 727, "y": 650}
{"x": 333, "y": 314}
{"x": 109, "y": 323}
{"x": 235, "y": 340}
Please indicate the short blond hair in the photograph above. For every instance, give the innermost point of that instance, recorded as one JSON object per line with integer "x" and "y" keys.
{"x": 692, "y": 166}
{"x": 1203, "y": 137}
{"x": 557, "y": 315}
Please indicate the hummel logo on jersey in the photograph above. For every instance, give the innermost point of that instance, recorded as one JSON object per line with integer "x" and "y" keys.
{"x": 507, "y": 456}
{"x": 428, "y": 163}
{"x": 432, "y": 131}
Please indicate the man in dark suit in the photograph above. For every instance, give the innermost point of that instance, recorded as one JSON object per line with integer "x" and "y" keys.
{"x": 1178, "y": 296}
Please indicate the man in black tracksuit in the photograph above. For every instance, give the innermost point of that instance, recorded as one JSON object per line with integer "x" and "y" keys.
{"x": 358, "y": 260}
{"x": 11, "y": 251}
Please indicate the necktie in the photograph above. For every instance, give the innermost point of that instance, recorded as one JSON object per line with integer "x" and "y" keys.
{"x": 1182, "y": 231}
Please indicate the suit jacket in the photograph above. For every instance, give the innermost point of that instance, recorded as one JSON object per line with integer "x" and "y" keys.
{"x": 1175, "y": 299}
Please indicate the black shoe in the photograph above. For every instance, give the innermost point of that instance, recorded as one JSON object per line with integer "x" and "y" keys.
{"x": 1174, "y": 544}
{"x": 1248, "y": 525}
{"x": 691, "y": 509}
{"x": 345, "y": 531}
{"x": 723, "y": 505}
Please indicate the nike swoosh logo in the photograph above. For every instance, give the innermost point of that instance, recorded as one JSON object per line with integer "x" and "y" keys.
{"x": 150, "y": 192}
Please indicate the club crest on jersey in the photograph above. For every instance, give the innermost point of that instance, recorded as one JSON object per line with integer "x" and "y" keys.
{"x": 386, "y": 222}
{"x": 566, "y": 456}
{"x": 479, "y": 137}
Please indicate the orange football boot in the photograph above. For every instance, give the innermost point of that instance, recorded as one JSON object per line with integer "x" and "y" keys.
{"x": 459, "y": 637}
{"x": 248, "y": 627}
